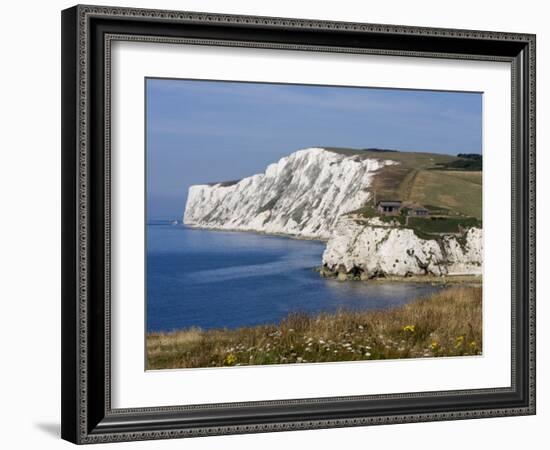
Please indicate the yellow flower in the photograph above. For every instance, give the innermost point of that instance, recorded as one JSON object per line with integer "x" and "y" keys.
{"x": 409, "y": 328}
{"x": 459, "y": 341}
{"x": 473, "y": 344}
{"x": 230, "y": 359}
{"x": 434, "y": 346}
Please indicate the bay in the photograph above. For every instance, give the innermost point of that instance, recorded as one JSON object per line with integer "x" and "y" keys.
{"x": 218, "y": 279}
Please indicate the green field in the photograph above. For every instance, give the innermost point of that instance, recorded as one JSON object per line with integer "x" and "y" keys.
{"x": 442, "y": 224}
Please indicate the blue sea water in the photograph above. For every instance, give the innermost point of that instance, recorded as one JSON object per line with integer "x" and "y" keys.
{"x": 216, "y": 279}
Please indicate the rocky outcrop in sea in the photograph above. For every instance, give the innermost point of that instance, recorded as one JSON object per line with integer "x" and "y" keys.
{"x": 362, "y": 250}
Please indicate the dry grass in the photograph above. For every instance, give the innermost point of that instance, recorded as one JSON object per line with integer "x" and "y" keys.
{"x": 455, "y": 190}
{"x": 470, "y": 176}
{"x": 446, "y": 324}
{"x": 416, "y": 179}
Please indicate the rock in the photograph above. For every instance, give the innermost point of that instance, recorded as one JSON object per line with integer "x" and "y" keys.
{"x": 342, "y": 276}
{"x": 383, "y": 251}
{"x": 301, "y": 195}
{"x": 309, "y": 194}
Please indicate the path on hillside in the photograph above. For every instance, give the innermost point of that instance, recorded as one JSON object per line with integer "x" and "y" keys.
{"x": 407, "y": 184}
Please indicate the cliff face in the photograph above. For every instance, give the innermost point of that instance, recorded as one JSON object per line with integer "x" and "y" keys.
{"x": 301, "y": 195}
{"x": 309, "y": 194}
{"x": 367, "y": 250}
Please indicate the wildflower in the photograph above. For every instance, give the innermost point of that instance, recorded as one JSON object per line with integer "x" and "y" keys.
{"x": 230, "y": 359}
{"x": 360, "y": 327}
{"x": 409, "y": 328}
{"x": 473, "y": 344}
{"x": 459, "y": 341}
{"x": 434, "y": 346}
{"x": 367, "y": 354}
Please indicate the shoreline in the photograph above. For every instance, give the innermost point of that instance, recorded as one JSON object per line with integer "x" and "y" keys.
{"x": 443, "y": 279}
{"x": 469, "y": 279}
{"x": 261, "y": 233}
{"x": 472, "y": 279}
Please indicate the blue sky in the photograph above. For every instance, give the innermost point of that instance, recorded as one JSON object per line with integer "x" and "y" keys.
{"x": 205, "y": 131}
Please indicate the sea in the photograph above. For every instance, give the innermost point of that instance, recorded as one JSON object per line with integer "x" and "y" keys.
{"x": 224, "y": 279}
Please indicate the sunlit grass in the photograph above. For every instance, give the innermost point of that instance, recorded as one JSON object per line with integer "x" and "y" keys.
{"x": 447, "y": 323}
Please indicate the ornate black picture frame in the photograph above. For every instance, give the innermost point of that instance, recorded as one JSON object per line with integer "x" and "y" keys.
{"x": 87, "y": 34}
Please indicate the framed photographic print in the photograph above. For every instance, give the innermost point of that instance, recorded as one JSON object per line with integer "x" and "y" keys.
{"x": 280, "y": 224}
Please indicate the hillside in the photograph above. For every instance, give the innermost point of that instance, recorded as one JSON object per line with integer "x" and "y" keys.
{"x": 431, "y": 179}
{"x": 447, "y": 323}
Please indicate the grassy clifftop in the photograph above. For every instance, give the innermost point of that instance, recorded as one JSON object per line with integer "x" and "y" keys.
{"x": 437, "y": 180}
{"x": 446, "y": 324}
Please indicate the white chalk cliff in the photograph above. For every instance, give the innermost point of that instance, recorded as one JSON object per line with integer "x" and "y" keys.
{"x": 365, "y": 251}
{"x": 301, "y": 195}
{"x": 309, "y": 194}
